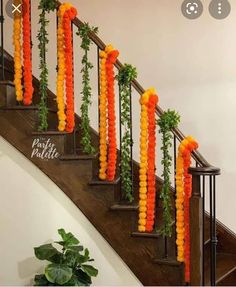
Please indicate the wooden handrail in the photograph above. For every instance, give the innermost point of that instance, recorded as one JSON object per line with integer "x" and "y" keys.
{"x": 136, "y": 85}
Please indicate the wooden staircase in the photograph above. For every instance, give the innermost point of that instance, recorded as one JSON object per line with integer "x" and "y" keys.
{"x": 76, "y": 174}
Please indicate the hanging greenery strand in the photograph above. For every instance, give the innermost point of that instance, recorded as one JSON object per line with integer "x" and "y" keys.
{"x": 126, "y": 75}
{"x": 168, "y": 121}
{"x": 45, "y": 6}
{"x": 84, "y": 32}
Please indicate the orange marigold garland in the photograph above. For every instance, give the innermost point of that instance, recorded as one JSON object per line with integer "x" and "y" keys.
{"x": 61, "y": 71}
{"x": 69, "y": 15}
{"x": 147, "y": 190}
{"x": 184, "y": 190}
{"x": 27, "y": 61}
{"x": 112, "y": 146}
{"x": 151, "y": 193}
{"x": 66, "y": 116}
{"x": 103, "y": 116}
{"x": 17, "y": 53}
{"x": 107, "y": 123}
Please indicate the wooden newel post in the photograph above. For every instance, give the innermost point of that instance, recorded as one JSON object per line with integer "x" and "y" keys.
{"x": 196, "y": 229}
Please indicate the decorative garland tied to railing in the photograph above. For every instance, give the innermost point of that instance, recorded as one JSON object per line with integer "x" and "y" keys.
{"x": 167, "y": 122}
{"x": 183, "y": 195}
{"x": 45, "y": 6}
{"x": 84, "y": 32}
{"x": 27, "y": 61}
{"x": 147, "y": 182}
{"x": 17, "y": 53}
{"x": 107, "y": 121}
{"x": 66, "y": 115}
{"x": 126, "y": 75}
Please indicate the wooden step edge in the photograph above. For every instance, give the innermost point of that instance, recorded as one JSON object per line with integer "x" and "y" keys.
{"x": 25, "y": 108}
{"x": 223, "y": 277}
{"x": 49, "y": 133}
{"x": 70, "y": 157}
{"x": 145, "y": 234}
{"x": 95, "y": 182}
{"x": 167, "y": 261}
{"x": 124, "y": 207}
{"x": 6, "y": 82}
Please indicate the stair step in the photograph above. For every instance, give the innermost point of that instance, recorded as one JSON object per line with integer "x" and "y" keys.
{"x": 10, "y": 83}
{"x": 167, "y": 261}
{"x": 124, "y": 207}
{"x": 25, "y": 108}
{"x": 104, "y": 182}
{"x": 225, "y": 265}
{"x": 69, "y": 157}
{"x": 49, "y": 133}
{"x": 145, "y": 234}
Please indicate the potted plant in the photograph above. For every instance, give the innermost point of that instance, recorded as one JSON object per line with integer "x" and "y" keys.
{"x": 68, "y": 264}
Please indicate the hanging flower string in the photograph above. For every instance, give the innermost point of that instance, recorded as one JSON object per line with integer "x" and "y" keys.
{"x": 65, "y": 74}
{"x": 112, "y": 145}
{"x": 151, "y": 192}
{"x": 69, "y": 15}
{"x": 60, "y": 70}
{"x": 17, "y": 53}
{"x": 147, "y": 188}
{"x": 108, "y": 155}
{"x": 27, "y": 61}
{"x": 184, "y": 190}
{"x": 103, "y": 116}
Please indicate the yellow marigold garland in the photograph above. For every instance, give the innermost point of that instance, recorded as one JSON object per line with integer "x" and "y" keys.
{"x": 17, "y": 53}
{"x": 143, "y": 168}
{"x": 184, "y": 189}
{"x": 180, "y": 207}
{"x": 61, "y": 70}
{"x": 107, "y": 130}
{"x": 103, "y": 116}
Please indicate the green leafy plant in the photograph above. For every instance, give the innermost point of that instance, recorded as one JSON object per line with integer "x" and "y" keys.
{"x": 45, "y": 6}
{"x": 126, "y": 75}
{"x": 68, "y": 266}
{"x": 168, "y": 121}
{"x": 84, "y": 32}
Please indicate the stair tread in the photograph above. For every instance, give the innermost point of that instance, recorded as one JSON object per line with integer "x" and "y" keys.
{"x": 49, "y": 133}
{"x": 68, "y": 157}
{"x": 225, "y": 264}
{"x": 104, "y": 182}
{"x": 145, "y": 234}
{"x": 124, "y": 207}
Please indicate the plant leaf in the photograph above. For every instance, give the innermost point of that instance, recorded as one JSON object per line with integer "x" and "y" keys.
{"x": 45, "y": 252}
{"x": 68, "y": 238}
{"x": 89, "y": 270}
{"x": 41, "y": 280}
{"x": 57, "y": 273}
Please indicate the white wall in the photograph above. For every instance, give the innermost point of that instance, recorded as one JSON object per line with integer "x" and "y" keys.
{"x": 191, "y": 63}
{"x": 32, "y": 209}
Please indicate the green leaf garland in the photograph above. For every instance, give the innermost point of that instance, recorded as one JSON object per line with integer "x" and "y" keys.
{"x": 45, "y": 6}
{"x": 126, "y": 75}
{"x": 168, "y": 121}
{"x": 84, "y": 32}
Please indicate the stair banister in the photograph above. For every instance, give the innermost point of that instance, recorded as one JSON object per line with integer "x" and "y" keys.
{"x": 2, "y": 43}
{"x": 197, "y": 223}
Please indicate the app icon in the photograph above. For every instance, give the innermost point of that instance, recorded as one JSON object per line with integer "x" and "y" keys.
{"x": 192, "y": 9}
{"x": 219, "y": 9}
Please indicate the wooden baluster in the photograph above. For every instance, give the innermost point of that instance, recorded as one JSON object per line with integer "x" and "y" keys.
{"x": 196, "y": 240}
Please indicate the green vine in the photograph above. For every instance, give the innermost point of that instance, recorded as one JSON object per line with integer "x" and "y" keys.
{"x": 45, "y": 6}
{"x": 126, "y": 75}
{"x": 168, "y": 121}
{"x": 84, "y": 32}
